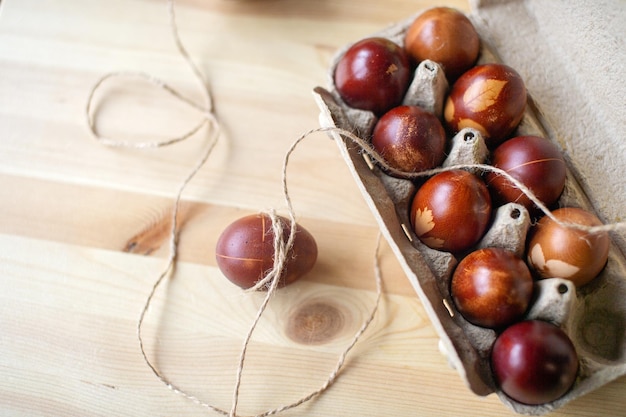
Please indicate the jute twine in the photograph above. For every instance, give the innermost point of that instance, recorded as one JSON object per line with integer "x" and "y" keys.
{"x": 282, "y": 248}
{"x": 367, "y": 148}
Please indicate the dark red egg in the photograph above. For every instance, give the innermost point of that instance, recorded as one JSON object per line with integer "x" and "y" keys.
{"x": 245, "y": 251}
{"x": 534, "y": 362}
{"x": 534, "y": 161}
{"x": 373, "y": 75}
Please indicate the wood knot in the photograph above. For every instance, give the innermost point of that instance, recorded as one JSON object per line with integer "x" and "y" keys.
{"x": 315, "y": 323}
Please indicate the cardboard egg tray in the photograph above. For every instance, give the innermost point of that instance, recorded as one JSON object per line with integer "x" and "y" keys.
{"x": 594, "y": 316}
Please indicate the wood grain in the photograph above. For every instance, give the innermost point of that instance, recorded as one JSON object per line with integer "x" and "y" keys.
{"x": 82, "y": 227}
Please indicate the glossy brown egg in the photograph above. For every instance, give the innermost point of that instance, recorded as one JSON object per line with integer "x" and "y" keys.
{"x": 564, "y": 252}
{"x": 245, "y": 251}
{"x": 534, "y": 161}
{"x": 410, "y": 139}
{"x": 446, "y": 36}
{"x": 451, "y": 211}
{"x": 490, "y": 98}
{"x": 373, "y": 75}
{"x": 492, "y": 287}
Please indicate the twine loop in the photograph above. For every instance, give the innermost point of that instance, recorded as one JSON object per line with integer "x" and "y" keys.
{"x": 282, "y": 248}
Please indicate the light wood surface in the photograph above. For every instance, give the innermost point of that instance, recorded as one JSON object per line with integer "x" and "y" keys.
{"x": 83, "y": 227}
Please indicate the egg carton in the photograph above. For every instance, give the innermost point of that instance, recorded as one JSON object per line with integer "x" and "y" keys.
{"x": 594, "y": 316}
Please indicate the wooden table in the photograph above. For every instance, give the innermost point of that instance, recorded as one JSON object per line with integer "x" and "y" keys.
{"x": 84, "y": 227}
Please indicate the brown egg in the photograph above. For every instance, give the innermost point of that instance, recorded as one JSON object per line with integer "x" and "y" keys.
{"x": 451, "y": 211}
{"x": 490, "y": 98}
{"x": 245, "y": 251}
{"x": 446, "y": 36}
{"x": 410, "y": 139}
{"x": 491, "y": 287}
{"x": 565, "y": 252}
